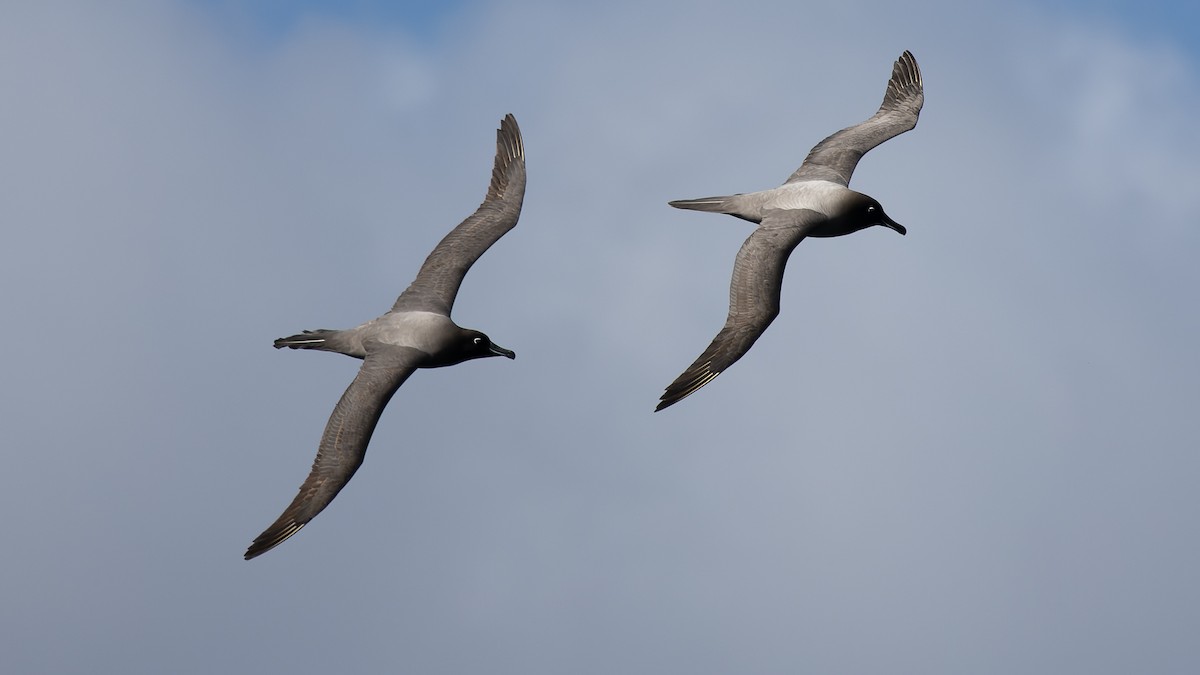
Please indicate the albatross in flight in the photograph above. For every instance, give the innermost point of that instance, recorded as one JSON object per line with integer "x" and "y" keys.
{"x": 814, "y": 202}
{"x": 416, "y": 333}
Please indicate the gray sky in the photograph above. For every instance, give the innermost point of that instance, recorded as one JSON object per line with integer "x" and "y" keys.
{"x": 968, "y": 450}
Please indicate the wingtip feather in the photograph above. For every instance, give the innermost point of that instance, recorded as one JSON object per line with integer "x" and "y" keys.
{"x": 510, "y": 149}
{"x": 687, "y": 384}
{"x": 906, "y": 84}
{"x": 272, "y": 537}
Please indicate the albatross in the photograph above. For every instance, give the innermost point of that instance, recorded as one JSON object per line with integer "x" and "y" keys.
{"x": 416, "y": 333}
{"x": 815, "y": 201}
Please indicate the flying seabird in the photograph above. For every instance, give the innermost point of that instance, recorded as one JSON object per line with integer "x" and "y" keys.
{"x": 416, "y": 333}
{"x": 814, "y": 202}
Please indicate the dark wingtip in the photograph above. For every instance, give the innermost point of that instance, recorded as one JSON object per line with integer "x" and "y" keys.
{"x": 907, "y": 67}
{"x": 687, "y": 384}
{"x": 905, "y": 89}
{"x": 510, "y": 149}
{"x": 272, "y": 537}
{"x": 670, "y": 398}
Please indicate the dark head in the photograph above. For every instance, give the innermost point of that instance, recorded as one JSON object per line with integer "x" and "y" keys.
{"x": 854, "y": 211}
{"x": 868, "y": 212}
{"x": 468, "y": 344}
{"x": 476, "y": 345}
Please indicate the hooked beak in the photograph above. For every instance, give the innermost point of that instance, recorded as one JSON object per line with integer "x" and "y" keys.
{"x": 497, "y": 350}
{"x": 889, "y": 223}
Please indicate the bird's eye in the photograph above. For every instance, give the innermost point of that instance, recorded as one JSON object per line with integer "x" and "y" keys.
{"x": 871, "y": 209}
{"x": 478, "y": 340}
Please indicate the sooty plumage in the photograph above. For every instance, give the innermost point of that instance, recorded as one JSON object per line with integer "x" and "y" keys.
{"x": 814, "y": 202}
{"x": 416, "y": 333}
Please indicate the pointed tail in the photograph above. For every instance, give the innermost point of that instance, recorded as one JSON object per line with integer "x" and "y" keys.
{"x": 713, "y": 204}
{"x": 309, "y": 339}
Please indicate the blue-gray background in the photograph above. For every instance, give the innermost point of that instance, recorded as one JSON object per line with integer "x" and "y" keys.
{"x": 973, "y": 449}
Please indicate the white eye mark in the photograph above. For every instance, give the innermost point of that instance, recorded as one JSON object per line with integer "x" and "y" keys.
{"x": 870, "y": 209}
{"x": 478, "y": 340}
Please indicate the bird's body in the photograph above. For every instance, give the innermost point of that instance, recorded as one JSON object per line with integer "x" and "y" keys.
{"x": 820, "y": 196}
{"x": 429, "y": 333}
{"x": 416, "y": 333}
{"x": 815, "y": 201}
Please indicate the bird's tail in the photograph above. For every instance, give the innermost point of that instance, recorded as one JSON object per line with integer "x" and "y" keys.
{"x": 309, "y": 339}
{"x": 714, "y": 204}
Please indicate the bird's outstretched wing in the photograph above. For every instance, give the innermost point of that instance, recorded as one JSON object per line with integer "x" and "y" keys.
{"x": 440, "y": 276}
{"x": 834, "y": 158}
{"x": 753, "y": 299}
{"x": 344, "y": 443}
